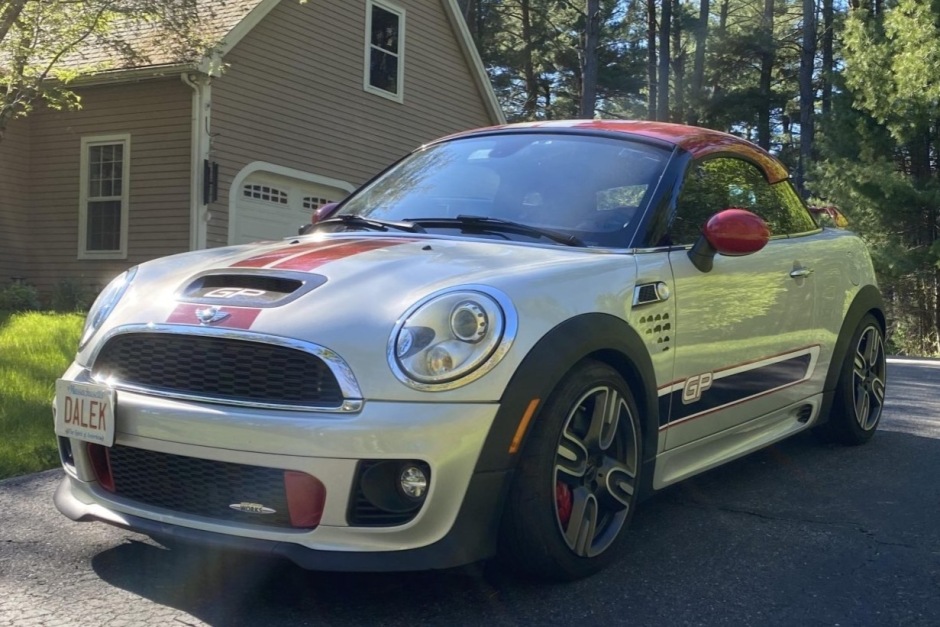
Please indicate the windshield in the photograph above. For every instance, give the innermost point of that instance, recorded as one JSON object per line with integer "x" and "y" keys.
{"x": 593, "y": 188}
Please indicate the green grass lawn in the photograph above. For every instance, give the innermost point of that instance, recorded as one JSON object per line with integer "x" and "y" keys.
{"x": 35, "y": 349}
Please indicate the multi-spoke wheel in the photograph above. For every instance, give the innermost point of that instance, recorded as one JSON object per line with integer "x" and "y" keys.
{"x": 575, "y": 488}
{"x": 860, "y": 394}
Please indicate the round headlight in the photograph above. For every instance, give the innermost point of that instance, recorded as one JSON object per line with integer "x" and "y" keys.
{"x": 452, "y": 338}
{"x": 104, "y": 305}
{"x": 468, "y": 321}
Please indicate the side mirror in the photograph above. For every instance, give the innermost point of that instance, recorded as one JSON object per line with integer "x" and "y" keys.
{"x": 733, "y": 233}
{"x": 320, "y": 214}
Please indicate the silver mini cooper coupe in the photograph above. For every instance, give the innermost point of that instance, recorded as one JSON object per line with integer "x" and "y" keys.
{"x": 499, "y": 346}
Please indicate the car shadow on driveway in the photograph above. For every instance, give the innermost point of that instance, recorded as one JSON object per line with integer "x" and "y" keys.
{"x": 796, "y": 532}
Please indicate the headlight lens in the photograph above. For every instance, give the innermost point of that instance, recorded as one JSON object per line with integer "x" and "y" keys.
{"x": 451, "y": 338}
{"x": 104, "y": 305}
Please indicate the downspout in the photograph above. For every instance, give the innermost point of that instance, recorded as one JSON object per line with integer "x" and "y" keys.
{"x": 199, "y": 215}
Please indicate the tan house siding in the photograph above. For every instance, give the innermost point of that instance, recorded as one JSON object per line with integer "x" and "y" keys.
{"x": 292, "y": 95}
{"x": 14, "y": 200}
{"x": 157, "y": 116}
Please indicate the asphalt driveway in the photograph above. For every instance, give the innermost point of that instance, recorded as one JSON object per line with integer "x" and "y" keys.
{"x": 797, "y": 534}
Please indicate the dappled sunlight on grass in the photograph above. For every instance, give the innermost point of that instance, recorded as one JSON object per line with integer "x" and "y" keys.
{"x": 35, "y": 349}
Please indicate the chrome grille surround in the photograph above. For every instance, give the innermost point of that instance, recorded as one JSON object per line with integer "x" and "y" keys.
{"x": 351, "y": 401}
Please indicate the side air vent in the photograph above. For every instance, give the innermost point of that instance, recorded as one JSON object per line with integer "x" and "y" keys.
{"x": 650, "y": 293}
{"x": 645, "y": 294}
{"x": 804, "y": 413}
{"x": 249, "y": 288}
{"x": 656, "y": 329}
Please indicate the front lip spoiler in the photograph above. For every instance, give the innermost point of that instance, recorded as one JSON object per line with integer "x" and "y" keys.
{"x": 471, "y": 539}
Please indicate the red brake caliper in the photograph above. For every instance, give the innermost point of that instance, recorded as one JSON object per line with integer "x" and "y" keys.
{"x": 563, "y": 501}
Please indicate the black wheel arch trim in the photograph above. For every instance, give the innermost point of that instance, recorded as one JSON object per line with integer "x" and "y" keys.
{"x": 594, "y": 335}
{"x": 866, "y": 300}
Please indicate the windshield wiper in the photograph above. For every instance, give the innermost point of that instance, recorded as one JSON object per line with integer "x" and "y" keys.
{"x": 351, "y": 219}
{"x": 497, "y": 224}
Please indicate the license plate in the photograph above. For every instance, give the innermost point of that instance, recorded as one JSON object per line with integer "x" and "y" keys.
{"x": 84, "y": 411}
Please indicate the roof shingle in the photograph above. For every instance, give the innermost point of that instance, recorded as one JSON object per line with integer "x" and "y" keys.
{"x": 138, "y": 44}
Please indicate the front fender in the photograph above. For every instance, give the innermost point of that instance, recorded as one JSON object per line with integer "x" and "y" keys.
{"x": 596, "y": 335}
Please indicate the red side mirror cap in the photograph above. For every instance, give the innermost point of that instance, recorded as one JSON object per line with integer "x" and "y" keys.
{"x": 736, "y": 232}
{"x": 323, "y": 212}
{"x": 732, "y": 232}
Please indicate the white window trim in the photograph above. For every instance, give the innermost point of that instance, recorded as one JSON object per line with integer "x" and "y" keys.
{"x": 87, "y": 142}
{"x": 400, "y": 12}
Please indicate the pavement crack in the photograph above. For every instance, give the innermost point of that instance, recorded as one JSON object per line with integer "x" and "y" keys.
{"x": 766, "y": 516}
{"x": 847, "y": 524}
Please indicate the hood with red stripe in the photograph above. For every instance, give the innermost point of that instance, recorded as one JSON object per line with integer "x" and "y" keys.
{"x": 345, "y": 293}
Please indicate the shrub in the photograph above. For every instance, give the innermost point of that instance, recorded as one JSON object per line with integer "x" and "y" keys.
{"x": 19, "y": 297}
{"x": 68, "y": 295}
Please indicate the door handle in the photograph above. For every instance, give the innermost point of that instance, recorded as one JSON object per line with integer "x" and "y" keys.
{"x": 800, "y": 273}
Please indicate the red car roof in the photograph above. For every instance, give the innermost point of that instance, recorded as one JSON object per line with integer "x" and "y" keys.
{"x": 700, "y": 142}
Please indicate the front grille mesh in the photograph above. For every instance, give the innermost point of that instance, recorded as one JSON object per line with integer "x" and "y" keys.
{"x": 219, "y": 368}
{"x": 200, "y": 487}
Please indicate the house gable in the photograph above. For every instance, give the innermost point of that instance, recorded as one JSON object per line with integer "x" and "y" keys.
{"x": 292, "y": 95}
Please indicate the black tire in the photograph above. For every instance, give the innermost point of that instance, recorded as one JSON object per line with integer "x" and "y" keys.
{"x": 860, "y": 392}
{"x": 575, "y": 470}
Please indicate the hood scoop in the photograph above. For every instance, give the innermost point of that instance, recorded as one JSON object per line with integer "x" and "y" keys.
{"x": 248, "y": 288}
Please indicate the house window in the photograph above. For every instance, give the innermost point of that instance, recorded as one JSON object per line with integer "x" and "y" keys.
{"x": 314, "y": 202}
{"x": 266, "y": 194}
{"x": 385, "y": 45}
{"x": 103, "y": 190}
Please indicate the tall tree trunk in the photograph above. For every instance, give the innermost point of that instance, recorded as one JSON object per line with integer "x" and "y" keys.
{"x": 678, "y": 64}
{"x": 827, "y": 58}
{"x": 766, "y": 69}
{"x": 9, "y": 13}
{"x": 665, "y": 22}
{"x": 530, "y": 106}
{"x": 720, "y": 34}
{"x": 697, "y": 98}
{"x": 651, "y": 58}
{"x": 592, "y": 27}
{"x": 807, "y": 93}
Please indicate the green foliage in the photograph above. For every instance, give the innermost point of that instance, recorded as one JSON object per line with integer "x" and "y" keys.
{"x": 533, "y": 50}
{"x": 35, "y": 349}
{"x": 893, "y": 65}
{"x": 69, "y": 295}
{"x": 877, "y": 168}
{"x": 43, "y": 44}
{"x": 18, "y": 297}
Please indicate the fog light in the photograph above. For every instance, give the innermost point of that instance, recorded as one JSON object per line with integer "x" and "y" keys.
{"x": 414, "y": 482}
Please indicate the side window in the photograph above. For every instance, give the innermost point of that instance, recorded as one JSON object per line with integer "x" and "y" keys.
{"x": 797, "y": 216}
{"x": 716, "y": 184}
{"x": 385, "y": 45}
{"x": 707, "y": 189}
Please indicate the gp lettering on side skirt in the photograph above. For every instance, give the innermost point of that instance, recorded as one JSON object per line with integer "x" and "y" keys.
{"x": 695, "y": 386}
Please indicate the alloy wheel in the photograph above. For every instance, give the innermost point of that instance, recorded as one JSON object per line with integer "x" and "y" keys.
{"x": 868, "y": 378}
{"x": 595, "y": 471}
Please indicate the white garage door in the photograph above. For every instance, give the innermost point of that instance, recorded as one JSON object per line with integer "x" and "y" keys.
{"x": 272, "y": 206}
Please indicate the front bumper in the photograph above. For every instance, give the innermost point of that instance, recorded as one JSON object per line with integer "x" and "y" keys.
{"x": 472, "y": 537}
{"x": 456, "y": 524}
